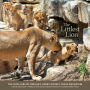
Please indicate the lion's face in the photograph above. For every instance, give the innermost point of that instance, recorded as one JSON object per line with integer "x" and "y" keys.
{"x": 41, "y": 18}
{"x": 53, "y": 43}
{"x": 28, "y": 10}
{"x": 72, "y": 49}
{"x": 12, "y": 11}
{"x": 8, "y": 6}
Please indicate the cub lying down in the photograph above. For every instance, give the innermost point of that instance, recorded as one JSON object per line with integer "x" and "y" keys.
{"x": 64, "y": 54}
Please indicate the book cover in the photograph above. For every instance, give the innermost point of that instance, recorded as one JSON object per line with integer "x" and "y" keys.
{"x": 44, "y": 44}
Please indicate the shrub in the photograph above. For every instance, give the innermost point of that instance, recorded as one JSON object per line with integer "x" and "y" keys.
{"x": 82, "y": 68}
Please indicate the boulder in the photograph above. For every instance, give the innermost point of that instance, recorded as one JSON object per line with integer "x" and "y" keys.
{"x": 62, "y": 8}
{"x": 82, "y": 51}
{"x": 37, "y": 7}
{"x": 70, "y": 10}
{"x": 54, "y": 24}
{"x": 83, "y": 12}
{"x": 57, "y": 73}
{"x": 53, "y": 71}
{"x": 2, "y": 25}
{"x": 89, "y": 15}
{"x": 52, "y": 7}
{"x": 26, "y": 1}
{"x": 88, "y": 62}
{"x": 73, "y": 11}
{"x": 86, "y": 37}
{"x": 1, "y": 9}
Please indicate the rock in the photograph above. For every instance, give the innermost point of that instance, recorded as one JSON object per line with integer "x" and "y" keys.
{"x": 86, "y": 37}
{"x": 26, "y": 1}
{"x": 89, "y": 16}
{"x": 57, "y": 73}
{"x": 83, "y": 12}
{"x": 1, "y": 9}
{"x": 66, "y": 41}
{"x": 37, "y": 7}
{"x": 88, "y": 62}
{"x": 70, "y": 10}
{"x": 52, "y": 7}
{"x": 54, "y": 25}
{"x": 2, "y": 25}
{"x": 82, "y": 51}
{"x": 18, "y": 1}
{"x": 52, "y": 72}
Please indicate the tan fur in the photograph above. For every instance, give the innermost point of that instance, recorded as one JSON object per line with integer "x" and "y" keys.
{"x": 40, "y": 19}
{"x": 7, "y": 66}
{"x": 6, "y": 12}
{"x": 24, "y": 18}
{"x": 28, "y": 16}
{"x": 18, "y": 44}
{"x": 61, "y": 55}
{"x": 17, "y": 18}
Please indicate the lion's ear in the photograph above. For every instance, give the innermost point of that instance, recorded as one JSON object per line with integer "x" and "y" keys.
{"x": 68, "y": 47}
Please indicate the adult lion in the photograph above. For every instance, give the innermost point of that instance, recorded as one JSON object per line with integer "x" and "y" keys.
{"x": 27, "y": 43}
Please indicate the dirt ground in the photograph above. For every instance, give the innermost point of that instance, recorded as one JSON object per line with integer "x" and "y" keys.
{"x": 72, "y": 75}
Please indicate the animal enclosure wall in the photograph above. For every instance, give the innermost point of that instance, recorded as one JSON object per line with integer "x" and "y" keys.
{"x": 67, "y": 18}
{"x": 1, "y": 1}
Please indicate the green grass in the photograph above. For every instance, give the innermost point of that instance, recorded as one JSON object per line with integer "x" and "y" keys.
{"x": 82, "y": 68}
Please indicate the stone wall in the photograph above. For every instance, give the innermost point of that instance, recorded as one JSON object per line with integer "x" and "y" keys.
{"x": 1, "y": 9}
{"x": 74, "y": 13}
{"x": 71, "y": 12}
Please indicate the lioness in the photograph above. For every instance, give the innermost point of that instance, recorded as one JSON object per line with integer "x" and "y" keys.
{"x": 56, "y": 57}
{"x": 27, "y": 43}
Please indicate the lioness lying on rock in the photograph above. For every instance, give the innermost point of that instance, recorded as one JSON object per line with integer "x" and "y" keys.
{"x": 56, "y": 57}
{"x": 27, "y": 43}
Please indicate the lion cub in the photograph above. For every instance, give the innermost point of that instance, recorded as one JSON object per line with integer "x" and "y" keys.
{"x": 64, "y": 54}
{"x": 40, "y": 19}
{"x": 18, "y": 18}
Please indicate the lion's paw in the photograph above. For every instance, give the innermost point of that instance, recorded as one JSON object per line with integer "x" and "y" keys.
{"x": 37, "y": 78}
